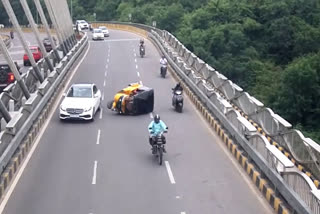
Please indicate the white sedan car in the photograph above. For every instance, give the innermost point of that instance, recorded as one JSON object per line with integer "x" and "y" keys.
{"x": 97, "y": 34}
{"x": 104, "y": 31}
{"x": 82, "y": 101}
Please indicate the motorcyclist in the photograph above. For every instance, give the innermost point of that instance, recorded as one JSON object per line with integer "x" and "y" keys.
{"x": 163, "y": 61}
{"x": 141, "y": 44}
{"x": 155, "y": 128}
{"x": 178, "y": 87}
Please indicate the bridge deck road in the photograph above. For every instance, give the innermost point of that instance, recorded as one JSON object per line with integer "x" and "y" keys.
{"x": 60, "y": 178}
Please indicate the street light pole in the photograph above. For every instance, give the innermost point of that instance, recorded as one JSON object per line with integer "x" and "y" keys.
{"x": 71, "y": 11}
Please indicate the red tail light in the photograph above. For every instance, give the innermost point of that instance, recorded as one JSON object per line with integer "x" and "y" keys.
{"x": 11, "y": 77}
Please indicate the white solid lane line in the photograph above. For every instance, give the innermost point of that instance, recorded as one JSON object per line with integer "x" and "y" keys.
{"x": 94, "y": 177}
{"x": 170, "y": 174}
{"x": 138, "y": 74}
{"x": 101, "y": 111}
{"x": 37, "y": 141}
{"x": 98, "y": 137}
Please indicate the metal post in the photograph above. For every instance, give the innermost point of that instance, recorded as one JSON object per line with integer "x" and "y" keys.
{"x": 58, "y": 31}
{"x": 17, "y": 27}
{"x": 36, "y": 32}
{"x": 70, "y": 24}
{"x": 65, "y": 22}
{"x": 14, "y": 69}
{"x": 46, "y": 27}
{"x": 5, "y": 112}
{"x": 61, "y": 21}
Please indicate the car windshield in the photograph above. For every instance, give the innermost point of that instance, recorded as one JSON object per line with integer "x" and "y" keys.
{"x": 103, "y": 28}
{"x": 97, "y": 31}
{"x": 83, "y": 22}
{"x": 80, "y": 91}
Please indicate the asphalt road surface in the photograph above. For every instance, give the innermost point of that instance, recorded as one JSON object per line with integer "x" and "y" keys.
{"x": 106, "y": 166}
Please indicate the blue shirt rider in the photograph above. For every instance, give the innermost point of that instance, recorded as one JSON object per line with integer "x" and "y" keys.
{"x": 155, "y": 128}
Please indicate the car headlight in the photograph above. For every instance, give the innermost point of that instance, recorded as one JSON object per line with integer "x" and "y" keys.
{"x": 62, "y": 108}
{"x": 87, "y": 109}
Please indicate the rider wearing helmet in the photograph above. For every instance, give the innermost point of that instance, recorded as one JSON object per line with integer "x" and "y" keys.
{"x": 155, "y": 128}
{"x": 178, "y": 87}
{"x": 163, "y": 61}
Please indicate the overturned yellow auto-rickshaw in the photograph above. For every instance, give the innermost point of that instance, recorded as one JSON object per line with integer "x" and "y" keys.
{"x": 134, "y": 99}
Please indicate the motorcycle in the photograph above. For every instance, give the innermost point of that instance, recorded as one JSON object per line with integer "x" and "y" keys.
{"x": 163, "y": 71}
{"x": 177, "y": 100}
{"x": 158, "y": 147}
{"x": 142, "y": 51}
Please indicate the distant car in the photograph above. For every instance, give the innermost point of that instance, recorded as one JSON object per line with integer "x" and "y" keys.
{"x": 37, "y": 55}
{"x": 6, "y": 75}
{"x": 82, "y": 101}
{"x": 1, "y": 26}
{"x": 82, "y": 24}
{"x": 104, "y": 31}
{"x": 47, "y": 43}
{"x": 97, "y": 34}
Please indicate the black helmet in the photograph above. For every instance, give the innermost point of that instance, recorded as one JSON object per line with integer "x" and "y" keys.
{"x": 156, "y": 118}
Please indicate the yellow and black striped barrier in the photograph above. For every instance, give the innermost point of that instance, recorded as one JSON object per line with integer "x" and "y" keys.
{"x": 286, "y": 153}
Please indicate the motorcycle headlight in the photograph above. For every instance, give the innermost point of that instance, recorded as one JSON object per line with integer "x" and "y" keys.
{"x": 62, "y": 108}
{"x": 87, "y": 109}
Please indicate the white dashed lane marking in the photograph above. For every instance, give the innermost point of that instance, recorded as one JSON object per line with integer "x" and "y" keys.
{"x": 98, "y": 137}
{"x": 94, "y": 177}
{"x": 101, "y": 111}
{"x": 170, "y": 174}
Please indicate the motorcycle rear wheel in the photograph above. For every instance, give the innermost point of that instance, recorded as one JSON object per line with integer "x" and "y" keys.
{"x": 179, "y": 108}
